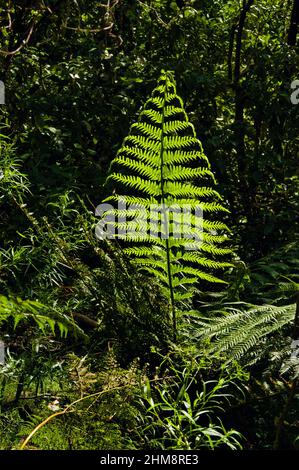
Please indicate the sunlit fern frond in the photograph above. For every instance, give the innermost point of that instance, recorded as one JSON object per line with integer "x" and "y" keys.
{"x": 164, "y": 189}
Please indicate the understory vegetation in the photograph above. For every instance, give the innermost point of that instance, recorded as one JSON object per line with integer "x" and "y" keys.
{"x": 127, "y": 327}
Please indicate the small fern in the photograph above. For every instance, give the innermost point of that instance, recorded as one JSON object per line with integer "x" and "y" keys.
{"x": 239, "y": 332}
{"x": 162, "y": 163}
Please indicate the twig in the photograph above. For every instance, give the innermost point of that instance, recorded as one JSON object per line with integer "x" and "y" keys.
{"x": 68, "y": 409}
{"x": 24, "y": 43}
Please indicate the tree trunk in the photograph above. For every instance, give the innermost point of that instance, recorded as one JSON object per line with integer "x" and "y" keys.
{"x": 293, "y": 29}
{"x": 240, "y": 98}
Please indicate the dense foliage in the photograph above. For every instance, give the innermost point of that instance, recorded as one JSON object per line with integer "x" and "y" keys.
{"x": 142, "y": 343}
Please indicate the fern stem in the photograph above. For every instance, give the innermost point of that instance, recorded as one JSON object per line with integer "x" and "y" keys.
{"x": 172, "y": 305}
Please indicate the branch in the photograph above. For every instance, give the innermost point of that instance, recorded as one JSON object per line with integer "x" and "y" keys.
{"x": 23, "y": 43}
{"x": 230, "y": 51}
{"x": 293, "y": 29}
{"x": 69, "y": 409}
{"x": 242, "y": 19}
{"x": 84, "y": 319}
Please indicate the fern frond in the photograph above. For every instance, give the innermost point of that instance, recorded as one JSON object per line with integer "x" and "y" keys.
{"x": 153, "y": 162}
{"x": 238, "y": 332}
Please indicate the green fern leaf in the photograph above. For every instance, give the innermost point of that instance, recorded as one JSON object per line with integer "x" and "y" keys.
{"x": 152, "y": 170}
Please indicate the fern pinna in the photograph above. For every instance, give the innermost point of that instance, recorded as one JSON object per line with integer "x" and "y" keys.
{"x": 161, "y": 165}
